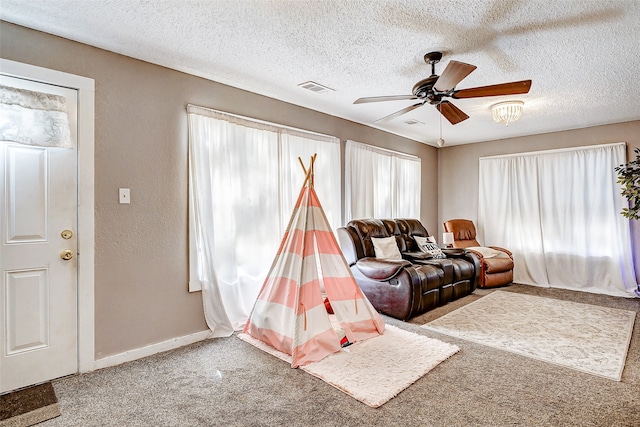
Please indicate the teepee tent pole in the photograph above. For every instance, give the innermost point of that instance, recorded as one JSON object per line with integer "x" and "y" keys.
{"x": 309, "y": 173}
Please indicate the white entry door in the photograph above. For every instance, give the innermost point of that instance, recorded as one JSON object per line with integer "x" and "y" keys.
{"x": 38, "y": 295}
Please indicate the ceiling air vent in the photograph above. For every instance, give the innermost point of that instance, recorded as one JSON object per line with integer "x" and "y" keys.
{"x": 315, "y": 87}
{"x": 413, "y": 122}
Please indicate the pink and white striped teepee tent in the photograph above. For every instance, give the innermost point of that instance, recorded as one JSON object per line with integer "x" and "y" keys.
{"x": 289, "y": 314}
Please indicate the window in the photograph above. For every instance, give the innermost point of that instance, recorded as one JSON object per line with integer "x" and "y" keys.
{"x": 380, "y": 183}
{"x": 244, "y": 181}
{"x": 558, "y": 212}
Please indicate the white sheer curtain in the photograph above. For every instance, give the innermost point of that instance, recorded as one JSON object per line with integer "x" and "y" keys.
{"x": 380, "y": 183}
{"x": 558, "y": 212}
{"x": 244, "y": 178}
{"x": 328, "y": 180}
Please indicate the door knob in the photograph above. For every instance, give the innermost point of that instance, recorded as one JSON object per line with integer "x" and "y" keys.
{"x": 66, "y": 255}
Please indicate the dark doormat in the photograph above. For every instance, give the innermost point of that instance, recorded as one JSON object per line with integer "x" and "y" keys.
{"x": 28, "y": 406}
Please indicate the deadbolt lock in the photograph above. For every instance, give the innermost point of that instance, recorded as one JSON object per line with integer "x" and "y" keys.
{"x": 66, "y": 234}
{"x": 66, "y": 255}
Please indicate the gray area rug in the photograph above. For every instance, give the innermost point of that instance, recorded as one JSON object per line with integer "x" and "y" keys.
{"x": 369, "y": 370}
{"x": 585, "y": 337}
{"x": 28, "y": 406}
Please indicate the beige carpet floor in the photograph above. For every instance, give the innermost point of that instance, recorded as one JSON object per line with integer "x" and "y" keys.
{"x": 226, "y": 382}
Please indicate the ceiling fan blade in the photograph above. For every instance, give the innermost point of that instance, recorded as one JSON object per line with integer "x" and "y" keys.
{"x": 383, "y": 98}
{"x": 399, "y": 113}
{"x": 512, "y": 88}
{"x": 452, "y": 75}
{"x": 451, "y": 112}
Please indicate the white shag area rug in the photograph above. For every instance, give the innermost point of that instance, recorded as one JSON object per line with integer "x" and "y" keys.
{"x": 375, "y": 370}
{"x": 583, "y": 337}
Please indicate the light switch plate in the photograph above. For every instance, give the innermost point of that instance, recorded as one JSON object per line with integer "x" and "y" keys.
{"x": 125, "y": 196}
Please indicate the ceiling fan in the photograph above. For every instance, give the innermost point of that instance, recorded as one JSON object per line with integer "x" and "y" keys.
{"x": 434, "y": 88}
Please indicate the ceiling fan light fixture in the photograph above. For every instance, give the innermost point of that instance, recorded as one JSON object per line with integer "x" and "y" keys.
{"x": 507, "y": 112}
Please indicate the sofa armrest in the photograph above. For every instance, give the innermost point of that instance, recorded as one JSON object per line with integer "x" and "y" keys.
{"x": 381, "y": 269}
{"x": 455, "y": 252}
{"x": 476, "y": 254}
{"x": 506, "y": 251}
{"x": 416, "y": 256}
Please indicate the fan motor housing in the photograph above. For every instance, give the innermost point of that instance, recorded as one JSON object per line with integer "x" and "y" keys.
{"x": 424, "y": 90}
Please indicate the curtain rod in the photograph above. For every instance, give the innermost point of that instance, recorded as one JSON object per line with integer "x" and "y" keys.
{"x": 263, "y": 122}
{"x": 374, "y": 147}
{"x": 556, "y": 150}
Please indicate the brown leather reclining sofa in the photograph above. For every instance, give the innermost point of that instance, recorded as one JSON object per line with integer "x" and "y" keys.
{"x": 413, "y": 285}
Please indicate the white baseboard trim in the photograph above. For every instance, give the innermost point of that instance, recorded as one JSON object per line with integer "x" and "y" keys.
{"x": 149, "y": 350}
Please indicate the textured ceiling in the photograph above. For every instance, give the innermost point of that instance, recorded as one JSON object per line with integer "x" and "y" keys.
{"x": 583, "y": 56}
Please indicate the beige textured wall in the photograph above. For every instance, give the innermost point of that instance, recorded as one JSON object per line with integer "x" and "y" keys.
{"x": 141, "y": 266}
{"x": 458, "y": 166}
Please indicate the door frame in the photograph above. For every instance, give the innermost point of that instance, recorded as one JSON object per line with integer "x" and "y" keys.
{"x": 86, "y": 223}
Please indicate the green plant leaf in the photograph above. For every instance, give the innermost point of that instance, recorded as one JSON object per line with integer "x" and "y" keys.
{"x": 629, "y": 180}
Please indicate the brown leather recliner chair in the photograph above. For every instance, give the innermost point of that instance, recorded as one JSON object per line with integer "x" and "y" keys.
{"x": 495, "y": 271}
{"x": 399, "y": 288}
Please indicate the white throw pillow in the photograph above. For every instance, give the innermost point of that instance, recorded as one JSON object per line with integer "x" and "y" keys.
{"x": 427, "y": 245}
{"x": 489, "y": 252}
{"x": 386, "y": 247}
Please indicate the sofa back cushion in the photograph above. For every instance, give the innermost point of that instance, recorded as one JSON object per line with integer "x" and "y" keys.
{"x": 365, "y": 229}
{"x": 409, "y": 228}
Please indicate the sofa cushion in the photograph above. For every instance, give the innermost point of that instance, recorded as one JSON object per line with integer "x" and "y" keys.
{"x": 386, "y": 247}
{"x": 365, "y": 229}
